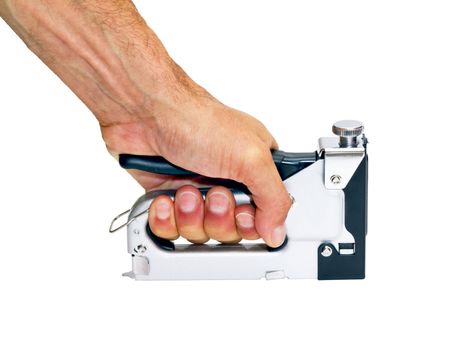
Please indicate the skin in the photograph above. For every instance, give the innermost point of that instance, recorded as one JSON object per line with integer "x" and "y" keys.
{"x": 147, "y": 105}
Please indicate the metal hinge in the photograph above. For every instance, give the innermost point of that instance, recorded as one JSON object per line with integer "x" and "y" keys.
{"x": 340, "y": 163}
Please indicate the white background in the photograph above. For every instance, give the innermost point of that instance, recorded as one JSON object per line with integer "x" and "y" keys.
{"x": 399, "y": 66}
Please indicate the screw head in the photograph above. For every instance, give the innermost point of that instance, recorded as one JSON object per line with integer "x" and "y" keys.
{"x": 140, "y": 249}
{"x": 348, "y": 128}
{"x": 326, "y": 251}
{"x": 336, "y": 179}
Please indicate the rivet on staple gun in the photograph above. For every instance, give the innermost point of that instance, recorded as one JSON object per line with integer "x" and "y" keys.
{"x": 326, "y": 227}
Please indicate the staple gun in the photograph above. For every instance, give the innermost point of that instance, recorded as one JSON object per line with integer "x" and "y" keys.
{"x": 326, "y": 226}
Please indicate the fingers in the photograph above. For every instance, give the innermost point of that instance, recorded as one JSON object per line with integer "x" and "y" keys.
{"x": 245, "y": 220}
{"x": 219, "y": 223}
{"x": 189, "y": 214}
{"x": 197, "y": 221}
{"x": 270, "y": 196}
{"x": 162, "y": 218}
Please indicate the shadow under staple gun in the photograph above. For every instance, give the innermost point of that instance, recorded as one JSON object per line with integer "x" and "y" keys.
{"x": 326, "y": 226}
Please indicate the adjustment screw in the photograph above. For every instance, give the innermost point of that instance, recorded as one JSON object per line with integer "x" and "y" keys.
{"x": 336, "y": 179}
{"x": 326, "y": 251}
{"x": 348, "y": 132}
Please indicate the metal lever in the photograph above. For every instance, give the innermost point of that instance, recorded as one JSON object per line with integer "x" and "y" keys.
{"x": 113, "y": 229}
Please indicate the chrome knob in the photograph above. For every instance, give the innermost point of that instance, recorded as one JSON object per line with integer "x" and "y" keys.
{"x": 348, "y": 132}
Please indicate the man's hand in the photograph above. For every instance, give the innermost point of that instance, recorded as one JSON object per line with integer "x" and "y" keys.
{"x": 216, "y": 141}
{"x": 147, "y": 105}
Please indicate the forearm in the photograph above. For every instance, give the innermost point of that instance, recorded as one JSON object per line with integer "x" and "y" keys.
{"x": 103, "y": 51}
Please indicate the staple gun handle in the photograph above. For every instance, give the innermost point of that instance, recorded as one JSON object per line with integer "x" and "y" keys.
{"x": 287, "y": 163}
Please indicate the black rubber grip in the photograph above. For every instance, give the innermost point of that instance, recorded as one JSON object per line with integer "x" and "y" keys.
{"x": 152, "y": 164}
{"x": 287, "y": 164}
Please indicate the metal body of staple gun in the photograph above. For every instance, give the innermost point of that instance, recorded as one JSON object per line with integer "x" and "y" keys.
{"x": 326, "y": 226}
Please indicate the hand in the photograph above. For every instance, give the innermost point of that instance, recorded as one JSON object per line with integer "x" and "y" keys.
{"x": 211, "y": 139}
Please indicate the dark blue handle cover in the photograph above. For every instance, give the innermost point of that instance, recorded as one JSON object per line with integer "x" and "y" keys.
{"x": 287, "y": 164}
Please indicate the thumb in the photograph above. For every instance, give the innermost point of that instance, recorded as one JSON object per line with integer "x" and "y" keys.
{"x": 271, "y": 199}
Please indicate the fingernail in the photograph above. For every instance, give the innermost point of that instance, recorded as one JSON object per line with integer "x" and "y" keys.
{"x": 218, "y": 203}
{"x": 163, "y": 210}
{"x": 245, "y": 220}
{"x": 278, "y": 236}
{"x": 188, "y": 201}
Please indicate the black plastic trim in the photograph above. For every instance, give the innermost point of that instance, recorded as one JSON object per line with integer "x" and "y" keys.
{"x": 337, "y": 266}
{"x": 287, "y": 164}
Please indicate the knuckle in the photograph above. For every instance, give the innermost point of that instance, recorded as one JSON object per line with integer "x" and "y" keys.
{"x": 255, "y": 155}
{"x": 286, "y": 203}
{"x": 249, "y": 160}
